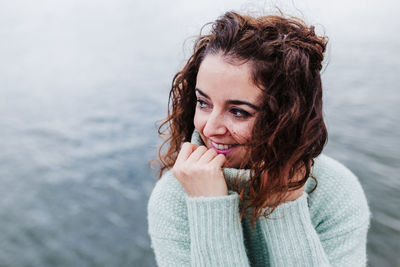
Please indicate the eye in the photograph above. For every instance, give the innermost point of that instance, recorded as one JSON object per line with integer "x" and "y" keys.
{"x": 201, "y": 103}
{"x": 240, "y": 113}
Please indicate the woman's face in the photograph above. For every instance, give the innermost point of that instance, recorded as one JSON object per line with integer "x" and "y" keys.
{"x": 227, "y": 105}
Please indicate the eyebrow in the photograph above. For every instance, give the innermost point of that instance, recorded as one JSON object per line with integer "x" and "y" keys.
{"x": 232, "y": 102}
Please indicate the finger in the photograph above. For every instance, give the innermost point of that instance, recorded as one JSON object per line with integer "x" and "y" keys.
{"x": 219, "y": 160}
{"x": 196, "y": 155}
{"x": 209, "y": 155}
{"x": 186, "y": 150}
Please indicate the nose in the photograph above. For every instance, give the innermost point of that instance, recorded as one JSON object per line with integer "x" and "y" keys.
{"x": 215, "y": 125}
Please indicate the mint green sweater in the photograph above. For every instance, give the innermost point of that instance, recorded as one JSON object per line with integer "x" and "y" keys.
{"x": 325, "y": 228}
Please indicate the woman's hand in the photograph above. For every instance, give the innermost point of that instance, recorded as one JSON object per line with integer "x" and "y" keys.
{"x": 198, "y": 169}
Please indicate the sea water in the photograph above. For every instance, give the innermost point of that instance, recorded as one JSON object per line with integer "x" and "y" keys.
{"x": 83, "y": 83}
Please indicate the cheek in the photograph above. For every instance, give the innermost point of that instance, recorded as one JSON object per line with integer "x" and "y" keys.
{"x": 241, "y": 131}
{"x": 199, "y": 121}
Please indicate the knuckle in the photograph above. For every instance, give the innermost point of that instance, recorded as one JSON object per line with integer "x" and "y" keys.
{"x": 202, "y": 148}
{"x": 185, "y": 173}
{"x": 211, "y": 168}
{"x": 207, "y": 169}
{"x": 212, "y": 151}
{"x": 197, "y": 167}
{"x": 186, "y": 144}
{"x": 221, "y": 156}
{"x": 179, "y": 169}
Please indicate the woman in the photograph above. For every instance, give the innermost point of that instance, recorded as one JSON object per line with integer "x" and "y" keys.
{"x": 243, "y": 180}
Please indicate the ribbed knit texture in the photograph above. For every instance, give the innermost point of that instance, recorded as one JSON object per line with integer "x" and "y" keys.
{"x": 325, "y": 228}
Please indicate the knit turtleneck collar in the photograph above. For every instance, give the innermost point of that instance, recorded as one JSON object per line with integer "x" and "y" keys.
{"x": 229, "y": 173}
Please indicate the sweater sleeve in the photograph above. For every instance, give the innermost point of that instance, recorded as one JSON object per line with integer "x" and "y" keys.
{"x": 216, "y": 231}
{"x": 199, "y": 231}
{"x": 291, "y": 237}
{"x": 167, "y": 223}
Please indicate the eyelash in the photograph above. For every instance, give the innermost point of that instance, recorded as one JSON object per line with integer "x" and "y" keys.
{"x": 244, "y": 114}
{"x": 201, "y": 103}
{"x": 236, "y": 112}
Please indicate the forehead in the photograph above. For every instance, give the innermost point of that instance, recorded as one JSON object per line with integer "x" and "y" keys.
{"x": 220, "y": 77}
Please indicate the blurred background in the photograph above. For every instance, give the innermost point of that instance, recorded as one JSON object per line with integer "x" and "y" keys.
{"x": 82, "y": 84}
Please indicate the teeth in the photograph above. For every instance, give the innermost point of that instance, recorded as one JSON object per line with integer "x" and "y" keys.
{"x": 221, "y": 146}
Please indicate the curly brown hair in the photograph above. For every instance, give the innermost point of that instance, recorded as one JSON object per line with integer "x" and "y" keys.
{"x": 285, "y": 56}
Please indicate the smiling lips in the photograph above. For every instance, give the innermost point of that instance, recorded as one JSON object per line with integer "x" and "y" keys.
{"x": 221, "y": 148}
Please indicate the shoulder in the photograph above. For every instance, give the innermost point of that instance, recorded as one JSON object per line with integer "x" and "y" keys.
{"x": 338, "y": 198}
{"x": 330, "y": 173}
{"x": 167, "y": 204}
